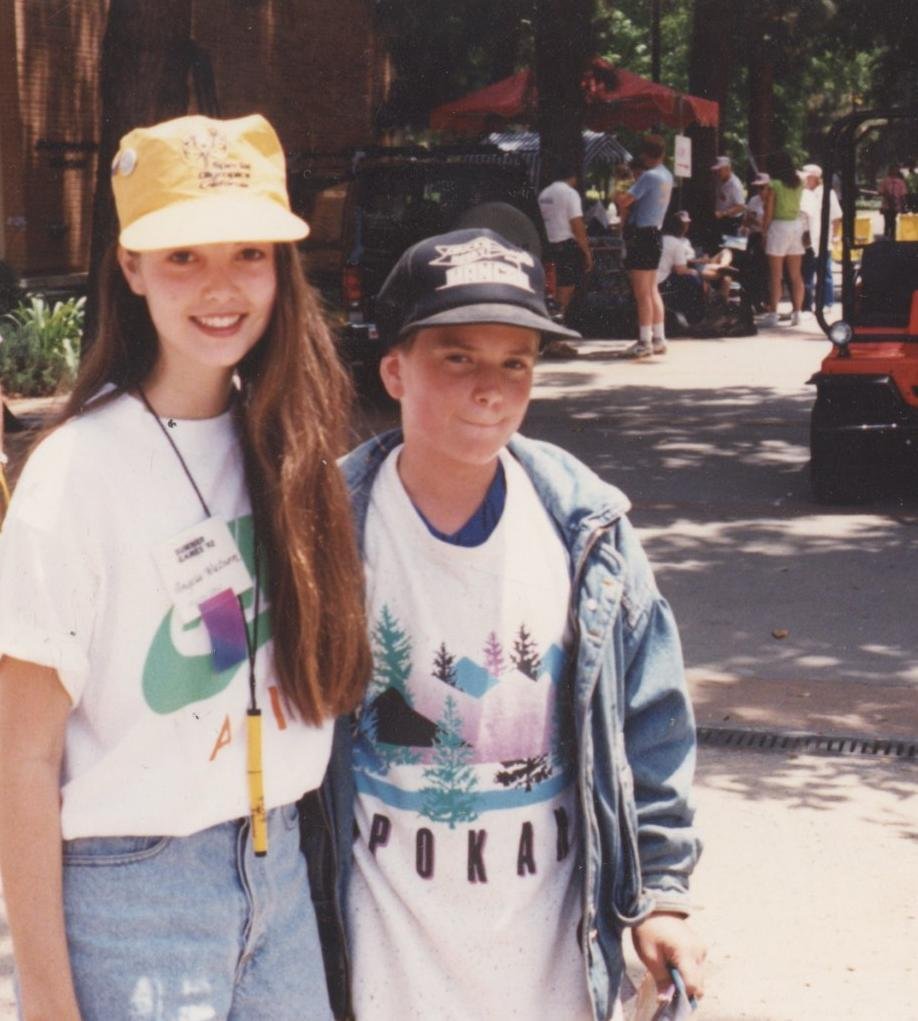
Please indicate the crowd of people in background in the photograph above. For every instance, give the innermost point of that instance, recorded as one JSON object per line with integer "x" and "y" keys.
{"x": 726, "y": 275}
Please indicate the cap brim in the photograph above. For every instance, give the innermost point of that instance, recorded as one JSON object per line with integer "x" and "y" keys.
{"x": 511, "y": 315}
{"x": 213, "y": 220}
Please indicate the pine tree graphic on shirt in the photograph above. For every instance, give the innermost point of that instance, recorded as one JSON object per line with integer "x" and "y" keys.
{"x": 391, "y": 656}
{"x": 525, "y": 655}
{"x": 445, "y": 666}
{"x": 494, "y": 656}
{"x": 450, "y": 794}
{"x": 391, "y": 670}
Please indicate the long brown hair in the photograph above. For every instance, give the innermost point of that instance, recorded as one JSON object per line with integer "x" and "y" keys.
{"x": 293, "y": 424}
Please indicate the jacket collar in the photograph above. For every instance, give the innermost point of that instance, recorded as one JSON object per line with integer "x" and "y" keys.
{"x": 578, "y": 501}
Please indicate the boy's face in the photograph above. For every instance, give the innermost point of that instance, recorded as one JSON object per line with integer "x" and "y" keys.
{"x": 463, "y": 389}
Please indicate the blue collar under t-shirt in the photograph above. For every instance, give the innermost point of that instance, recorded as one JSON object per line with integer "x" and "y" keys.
{"x": 482, "y": 523}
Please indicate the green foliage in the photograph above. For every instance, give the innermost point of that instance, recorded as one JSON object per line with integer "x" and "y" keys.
{"x": 41, "y": 349}
{"x": 442, "y": 51}
{"x": 622, "y": 35}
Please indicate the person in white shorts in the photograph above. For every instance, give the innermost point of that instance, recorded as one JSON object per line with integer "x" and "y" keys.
{"x": 783, "y": 235}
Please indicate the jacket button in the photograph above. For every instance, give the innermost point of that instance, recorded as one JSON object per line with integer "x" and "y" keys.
{"x": 592, "y": 605}
{"x": 594, "y": 935}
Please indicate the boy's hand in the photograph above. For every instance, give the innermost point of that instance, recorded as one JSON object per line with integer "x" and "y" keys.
{"x": 664, "y": 940}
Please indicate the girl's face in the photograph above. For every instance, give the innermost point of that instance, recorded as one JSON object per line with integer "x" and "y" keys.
{"x": 210, "y": 304}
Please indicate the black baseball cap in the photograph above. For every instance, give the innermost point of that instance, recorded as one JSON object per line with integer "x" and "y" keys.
{"x": 466, "y": 276}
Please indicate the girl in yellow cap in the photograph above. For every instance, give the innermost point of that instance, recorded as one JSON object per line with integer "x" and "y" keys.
{"x": 180, "y": 613}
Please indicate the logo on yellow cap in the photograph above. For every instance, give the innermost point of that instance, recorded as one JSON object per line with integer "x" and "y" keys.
{"x": 208, "y": 151}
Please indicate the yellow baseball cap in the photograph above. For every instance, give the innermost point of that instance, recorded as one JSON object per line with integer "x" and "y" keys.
{"x": 199, "y": 181}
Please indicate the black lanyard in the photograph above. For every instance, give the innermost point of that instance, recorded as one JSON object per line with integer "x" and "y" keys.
{"x": 251, "y": 641}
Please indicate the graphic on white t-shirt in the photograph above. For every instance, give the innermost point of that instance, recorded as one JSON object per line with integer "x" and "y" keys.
{"x": 178, "y": 668}
{"x": 486, "y": 734}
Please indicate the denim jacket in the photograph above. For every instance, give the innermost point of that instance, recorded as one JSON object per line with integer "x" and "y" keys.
{"x": 634, "y": 726}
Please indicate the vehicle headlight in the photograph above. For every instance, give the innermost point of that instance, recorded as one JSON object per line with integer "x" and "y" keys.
{"x": 840, "y": 333}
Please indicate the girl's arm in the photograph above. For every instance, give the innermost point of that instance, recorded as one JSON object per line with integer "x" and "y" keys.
{"x": 769, "y": 209}
{"x": 33, "y": 714}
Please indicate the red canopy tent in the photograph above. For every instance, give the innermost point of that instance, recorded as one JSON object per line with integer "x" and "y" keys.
{"x": 613, "y": 98}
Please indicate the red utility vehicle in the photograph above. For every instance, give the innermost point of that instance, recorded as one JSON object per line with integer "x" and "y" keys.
{"x": 864, "y": 425}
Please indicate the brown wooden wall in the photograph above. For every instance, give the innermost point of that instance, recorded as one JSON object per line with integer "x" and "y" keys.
{"x": 313, "y": 67}
{"x": 49, "y": 110}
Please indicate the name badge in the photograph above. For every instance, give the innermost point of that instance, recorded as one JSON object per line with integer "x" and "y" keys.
{"x": 200, "y": 563}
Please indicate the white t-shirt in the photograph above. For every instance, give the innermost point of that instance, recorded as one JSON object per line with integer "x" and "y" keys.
{"x": 559, "y": 204}
{"x": 756, "y": 206}
{"x": 729, "y": 194}
{"x": 465, "y": 899}
{"x": 811, "y": 211}
{"x": 676, "y": 252}
{"x": 156, "y": 741}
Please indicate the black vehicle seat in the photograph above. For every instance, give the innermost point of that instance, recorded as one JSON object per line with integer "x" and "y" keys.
{"x": 888, "y": 277}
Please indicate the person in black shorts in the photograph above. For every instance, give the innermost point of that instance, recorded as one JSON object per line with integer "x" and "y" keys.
{"x": 643, "y": 209}
{"x": 569, "y": 263}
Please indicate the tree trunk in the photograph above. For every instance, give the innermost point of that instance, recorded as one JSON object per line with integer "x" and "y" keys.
{"x": 711, "y": 62}
{"x": 562, "y": 47}
{"x": 761, "y": 98}
{"x": 506, "y": 19}
{"x": 146, "y": 54}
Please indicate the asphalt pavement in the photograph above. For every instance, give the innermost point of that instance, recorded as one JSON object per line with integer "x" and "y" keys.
{"x": 795, "y": 618}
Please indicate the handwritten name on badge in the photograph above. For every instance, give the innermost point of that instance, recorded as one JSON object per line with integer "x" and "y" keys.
{"x": 199, "y": 563}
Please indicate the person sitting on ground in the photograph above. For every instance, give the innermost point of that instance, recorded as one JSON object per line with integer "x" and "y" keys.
{"x": 783, "y": 229}
{"x": 681, "y": 285}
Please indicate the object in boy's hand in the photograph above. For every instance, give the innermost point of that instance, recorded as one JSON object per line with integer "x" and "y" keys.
{"x": 643, "y": 1004}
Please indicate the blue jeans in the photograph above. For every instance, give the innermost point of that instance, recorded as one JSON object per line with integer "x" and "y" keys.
{"x": 810, "y": 262}
{"x": 194, "y": 928}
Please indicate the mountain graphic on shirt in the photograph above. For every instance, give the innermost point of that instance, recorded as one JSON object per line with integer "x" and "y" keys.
{"x": 502, "y": 709}
{"x": 474, "y": 679}
{"x": 178, "y": 669}
{"x": 397, "y": 723}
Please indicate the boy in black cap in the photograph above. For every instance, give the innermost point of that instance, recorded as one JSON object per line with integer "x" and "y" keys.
{"x": 523, "y": 757}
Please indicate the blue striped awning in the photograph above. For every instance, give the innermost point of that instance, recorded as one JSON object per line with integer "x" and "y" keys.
{"x": 599, "y": 147}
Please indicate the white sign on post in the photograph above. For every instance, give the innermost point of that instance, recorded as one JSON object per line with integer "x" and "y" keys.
{"x": 683, "y": 159}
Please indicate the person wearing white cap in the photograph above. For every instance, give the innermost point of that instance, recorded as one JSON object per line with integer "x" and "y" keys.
{"x": 729, "y": 197}
{"x": 181, "y": 611}
{"x": 811, "y": 209}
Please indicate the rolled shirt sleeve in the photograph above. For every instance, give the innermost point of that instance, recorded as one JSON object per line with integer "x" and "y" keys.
{"x": 49, "y": 569}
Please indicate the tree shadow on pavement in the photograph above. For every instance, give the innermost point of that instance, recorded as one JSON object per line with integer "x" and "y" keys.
{"x": 819, "y": 783}
{"x": 719, "y": 486}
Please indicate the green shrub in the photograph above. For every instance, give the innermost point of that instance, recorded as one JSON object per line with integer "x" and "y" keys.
{"x": 40, "y": 353}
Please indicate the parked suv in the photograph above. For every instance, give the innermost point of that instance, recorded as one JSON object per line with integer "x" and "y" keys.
{"x": 388, "y": 200}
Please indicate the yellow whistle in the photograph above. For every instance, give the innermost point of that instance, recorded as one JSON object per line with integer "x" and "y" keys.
{"x": 4, "y": 493}
{"x": 256, "y": 784}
